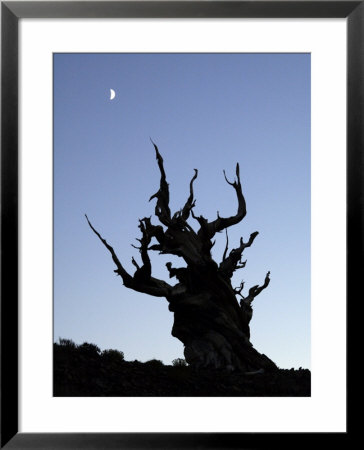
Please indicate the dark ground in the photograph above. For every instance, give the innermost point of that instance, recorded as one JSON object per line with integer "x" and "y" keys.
{"x": 84, "y": 371}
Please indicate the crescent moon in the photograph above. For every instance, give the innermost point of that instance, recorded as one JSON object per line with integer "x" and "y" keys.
{"x": 112, "y": 94}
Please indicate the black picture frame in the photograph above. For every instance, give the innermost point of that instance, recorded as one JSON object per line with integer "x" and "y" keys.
{"x": 11, "y": 12}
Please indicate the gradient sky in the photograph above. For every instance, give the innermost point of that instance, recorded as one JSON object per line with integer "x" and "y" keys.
{"x": 204, "y": 111}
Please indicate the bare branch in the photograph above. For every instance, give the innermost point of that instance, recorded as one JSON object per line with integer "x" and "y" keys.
{"x": 241, "y": 265}
{"x": 233, "y": 261}
{"x": 256, "y": 290}
{"x": 156, "y": 247}
{"x": 228, "y": 182}
{"x": 201, "y": 220}
{"x": 127, "y": 279}
{"x": 227, "y": 245}
{"x": 180, "y": 273}
{"x": 144, "y": 273}
{"x": 239, "y": 289}
{"x": 190, "y": 201}
{"x": 142, "y": 281}
{"x": 246, "y": 302}
{"x": 162, "y": 210}
{"x": 221, "y": 223}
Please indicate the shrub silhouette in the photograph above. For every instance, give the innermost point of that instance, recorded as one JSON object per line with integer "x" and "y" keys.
{"x": 154, "y": 363}
{"x": 113, "y": 355}
{"x": 67, "y": 343}
{"x": 179, "y": 362}
{"x": 89, "y": 349}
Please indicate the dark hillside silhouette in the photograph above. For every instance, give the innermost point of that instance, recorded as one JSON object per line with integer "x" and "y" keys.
{"x": 86, "y": 371}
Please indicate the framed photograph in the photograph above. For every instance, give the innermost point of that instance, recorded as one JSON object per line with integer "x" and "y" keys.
{"x": 233, "y": 119}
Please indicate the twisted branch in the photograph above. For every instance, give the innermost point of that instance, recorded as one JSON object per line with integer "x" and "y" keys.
{"x": 219, "y": 224}
{"x": 141, "y": 281}
{"x": 233, "y": 261}
{"x": 162, "y": 210}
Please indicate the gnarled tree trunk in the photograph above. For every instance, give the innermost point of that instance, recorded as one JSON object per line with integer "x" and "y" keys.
{"x": 208, "y": 319}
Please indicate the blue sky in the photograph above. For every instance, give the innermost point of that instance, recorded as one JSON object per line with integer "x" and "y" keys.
{"x": 204, "y": 111}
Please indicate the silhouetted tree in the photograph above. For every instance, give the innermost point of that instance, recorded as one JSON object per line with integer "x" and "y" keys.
{"x": 208, "y": 319}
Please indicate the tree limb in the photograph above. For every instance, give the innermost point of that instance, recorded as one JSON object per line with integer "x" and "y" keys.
{"x": 256, "y": 290}
{"x": 127, "y": 279}
{"x": 239, "y": 289}
{"x": 190, "y": 203}
{"x": 162, "y": 210}
{"x": 221, "y": 223}
{"x": 142, "y": 281}
{"x": 233, "y": 261}
{"x": 227, "y": 245}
